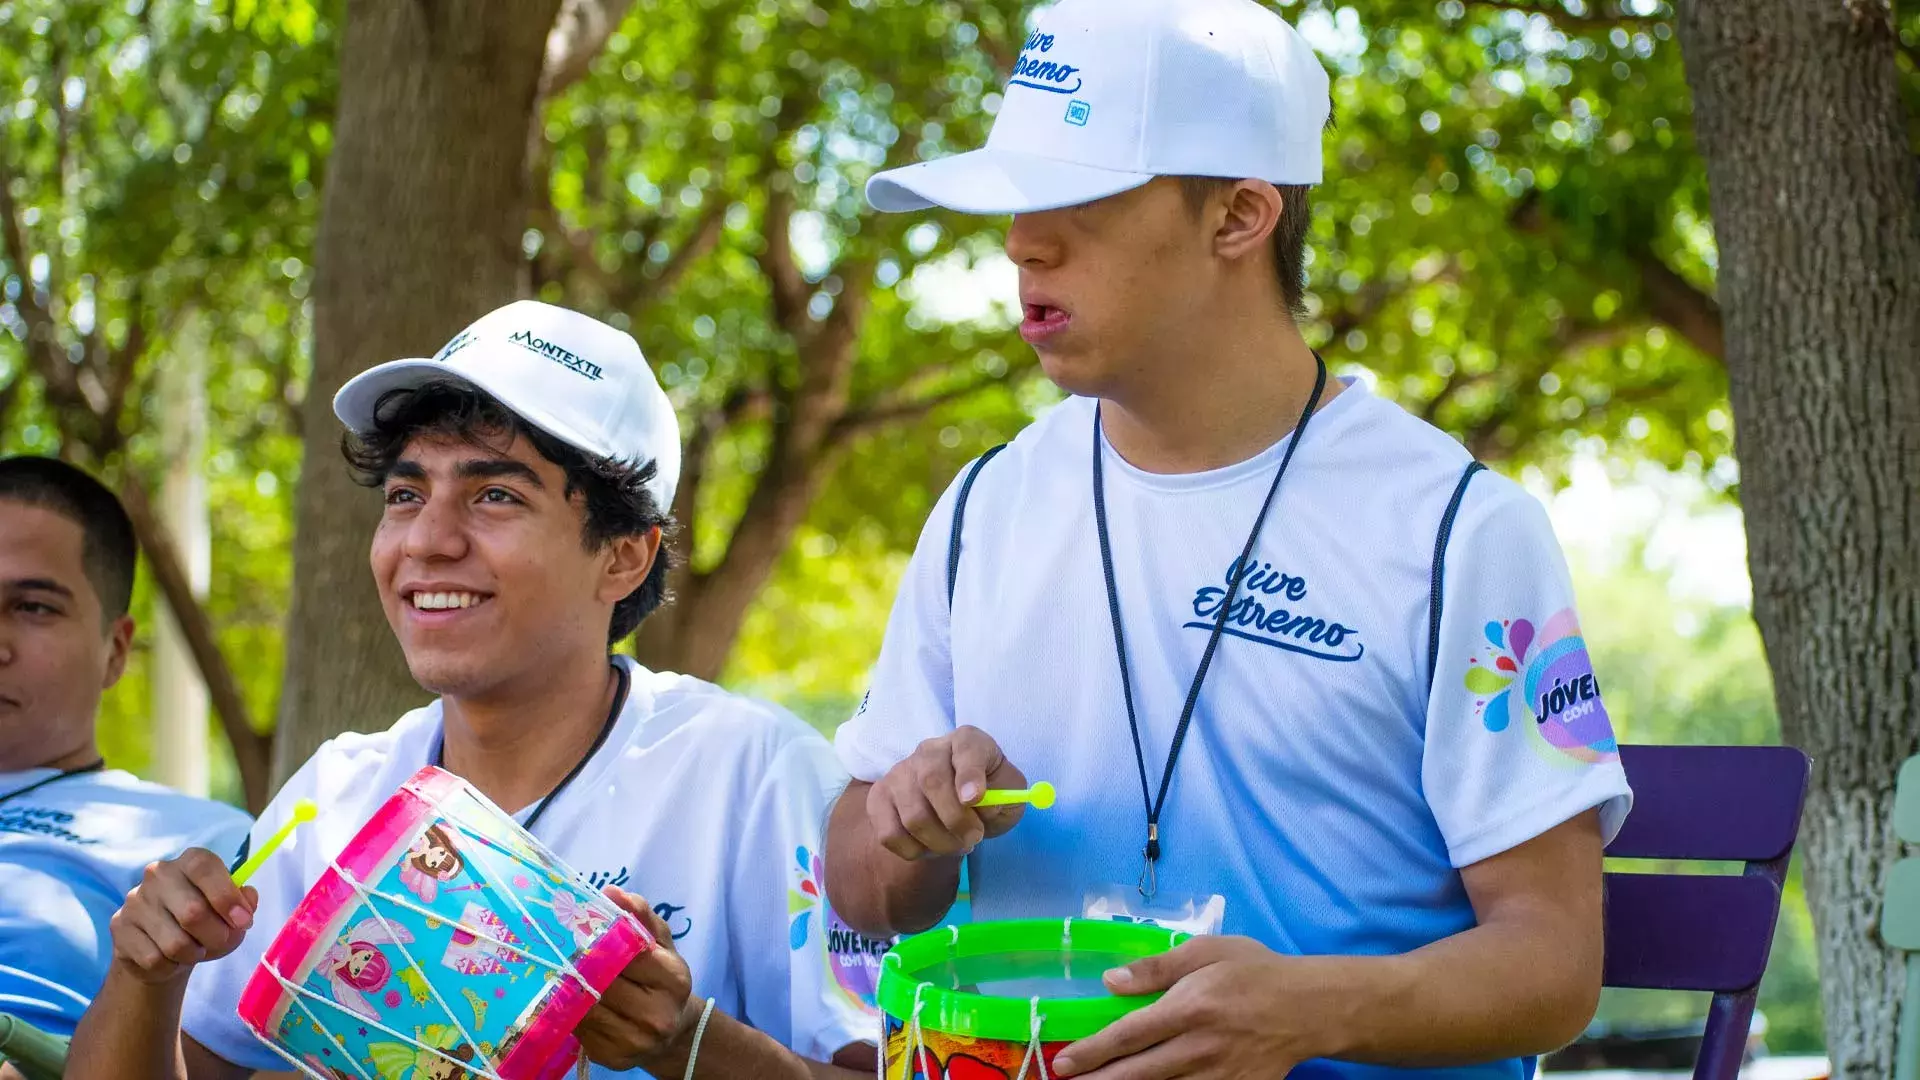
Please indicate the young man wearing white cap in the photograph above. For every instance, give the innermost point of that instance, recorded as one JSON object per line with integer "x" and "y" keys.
{"x": 1346, "y": 673}
{"x": 526, "y": 471}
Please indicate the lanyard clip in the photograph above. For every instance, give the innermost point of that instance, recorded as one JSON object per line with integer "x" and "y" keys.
{"x": 1149, "y": 883}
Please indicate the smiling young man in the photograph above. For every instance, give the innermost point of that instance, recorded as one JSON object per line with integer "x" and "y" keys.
{"x": 525, "y": 471}
{"x": 73, "y": 833}
{"x": 1345, "y": 672}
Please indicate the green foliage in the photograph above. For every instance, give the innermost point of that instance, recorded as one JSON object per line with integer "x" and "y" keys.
{"x": 817, "y": 629}
{"x": 164, "y": 160}
{"x": 1498, "y": 182}
{"x": 1513, "y": 211}
{"x": 704, "y": 132}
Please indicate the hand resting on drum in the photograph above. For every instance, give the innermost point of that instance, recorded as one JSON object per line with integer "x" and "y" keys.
{"x": 649, "y": 1019}
{"x": 649, "y": 1007}
{"x": 185, "y": 911}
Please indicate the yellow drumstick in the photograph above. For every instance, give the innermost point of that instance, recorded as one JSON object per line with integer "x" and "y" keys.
{"x": 303, "y": 812}
{"x": 1039, "y": 796}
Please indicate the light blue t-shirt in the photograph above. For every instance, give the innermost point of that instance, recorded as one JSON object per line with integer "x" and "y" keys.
{"x": 69, "y": 854}
{"x": 1323, "y": 791}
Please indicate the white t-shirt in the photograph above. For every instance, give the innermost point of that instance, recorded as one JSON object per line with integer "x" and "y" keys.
{"x": 69, "y": 853}
{"x": 709, "y": 804}
{"x": 1322, "y": 790}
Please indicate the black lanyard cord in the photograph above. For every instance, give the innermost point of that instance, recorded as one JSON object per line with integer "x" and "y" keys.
{"x": 606, "y": 729}
{"x": 1154, "y": 804}
{"x": 95, "y": 767}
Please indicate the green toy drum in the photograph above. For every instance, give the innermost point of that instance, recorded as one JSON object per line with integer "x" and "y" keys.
{"x": 997, "y": 1000}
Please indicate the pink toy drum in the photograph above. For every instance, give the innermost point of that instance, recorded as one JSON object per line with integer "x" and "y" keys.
{"x": 444, "y": 943}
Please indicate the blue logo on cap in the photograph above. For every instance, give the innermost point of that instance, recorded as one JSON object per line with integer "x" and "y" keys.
{"x": 460, "y": 341}
{"x": 1077, "y": 113}
{"x": 1049, "y": 75}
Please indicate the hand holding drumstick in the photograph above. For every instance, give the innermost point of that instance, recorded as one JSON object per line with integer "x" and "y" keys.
{"x": 931, "y": 803}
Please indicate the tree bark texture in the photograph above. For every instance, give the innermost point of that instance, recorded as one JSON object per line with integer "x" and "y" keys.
{"x": 421, "y": 222}
{"x": 1814, "y": 189}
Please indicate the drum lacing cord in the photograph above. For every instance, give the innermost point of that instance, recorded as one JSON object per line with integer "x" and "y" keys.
{"x": 917, "y": 1053}
{"x": 298, "y": 992}
{"x": 880, "y": 1057}
{"x": 481, "y": 934}
{"x": 489, "y": 878}
{"x": 1035, "y": 1055}
{"x": 1066, "y": 946}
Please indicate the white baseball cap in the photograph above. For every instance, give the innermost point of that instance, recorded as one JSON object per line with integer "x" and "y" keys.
{"x": 1108, "y": 94}
{"x": 575, "y": 378}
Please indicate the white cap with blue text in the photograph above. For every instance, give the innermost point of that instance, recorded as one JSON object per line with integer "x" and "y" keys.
{"x": 1108, "y": 94}
{"x": 574, "y": 377}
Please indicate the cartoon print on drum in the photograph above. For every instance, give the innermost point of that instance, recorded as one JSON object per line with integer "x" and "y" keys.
{"x": 321, "y": 1068}
{"x": 582, "y": 919}
{"x": 482, "y": 944}
{"x": 477, "y": 1004}
{"x": 440, "y": 1056}
{"x": 431, "y": 861}
{"x": 416, "y": 983}
{"x": 958, "y": 1057}
{"x": 355, "y": 966}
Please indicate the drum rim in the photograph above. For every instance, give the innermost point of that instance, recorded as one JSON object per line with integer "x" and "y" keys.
{"x": 1006, "y": 1019}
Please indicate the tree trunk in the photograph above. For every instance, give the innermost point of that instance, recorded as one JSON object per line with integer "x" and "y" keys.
{"x": 1814, "y": 190}
{"x": 252, "y": 753}
{"x": 179, "y": 695}
{"x": 426, "y": 200}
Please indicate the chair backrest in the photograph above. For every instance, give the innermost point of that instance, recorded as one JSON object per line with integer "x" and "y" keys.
{"x": 1906, "y": 801}
{"x": 1704, "y": 932}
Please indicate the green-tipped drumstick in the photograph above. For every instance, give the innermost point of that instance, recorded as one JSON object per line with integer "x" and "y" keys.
{"x": 303, "y": 812}
{"x": 1039, "y": 796}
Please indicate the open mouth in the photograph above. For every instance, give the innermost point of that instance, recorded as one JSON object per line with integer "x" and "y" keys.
{"x": 445, "y": 600}
{"x": 1041, "y": 320}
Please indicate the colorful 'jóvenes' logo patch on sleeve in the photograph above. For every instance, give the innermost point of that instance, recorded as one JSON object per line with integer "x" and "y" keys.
{"x": 1547, "y": 676}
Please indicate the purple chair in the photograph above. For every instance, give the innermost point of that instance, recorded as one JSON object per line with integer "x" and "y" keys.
{"x": 1704, "y": 932}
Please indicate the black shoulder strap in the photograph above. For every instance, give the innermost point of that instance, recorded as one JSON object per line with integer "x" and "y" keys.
{"x": 1440, "y": 568}
{"x": 959, "y": 515}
